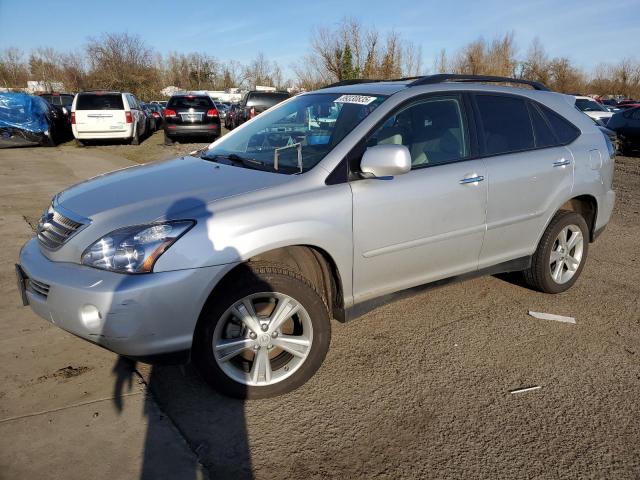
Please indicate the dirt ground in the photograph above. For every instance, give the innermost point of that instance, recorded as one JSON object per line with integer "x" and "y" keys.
{"x": 415, "y": 389}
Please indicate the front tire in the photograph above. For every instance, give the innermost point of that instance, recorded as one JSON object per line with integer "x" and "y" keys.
{"x": 561, "y": 254}
{"x": 265, "y": 332}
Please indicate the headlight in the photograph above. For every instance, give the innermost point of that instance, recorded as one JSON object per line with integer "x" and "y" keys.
{"x": 134, "y": 249}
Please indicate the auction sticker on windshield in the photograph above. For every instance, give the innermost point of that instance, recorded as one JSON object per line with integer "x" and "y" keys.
{"x": 357, "y": 99}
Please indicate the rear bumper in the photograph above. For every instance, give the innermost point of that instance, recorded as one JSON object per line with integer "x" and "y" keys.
{"x": 133, "y": 315}
{"x": 185, "y": 130}
{"x": 109, "y": 134}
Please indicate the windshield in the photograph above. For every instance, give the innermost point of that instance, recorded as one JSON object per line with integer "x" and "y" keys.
{"x": 295, "y": 136}
{"x": 589, "y": 105}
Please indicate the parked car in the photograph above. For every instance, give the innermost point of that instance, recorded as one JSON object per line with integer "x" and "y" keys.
{"x": 63, "y": 100}
{"x": 190, "y": 116}
{"x": 592, "y": 108}
{"x": 238, "y": 257}
{"x": 158, "y": 113}
{"x": 29, "y": 120}
{"x": 230, "y": 118}
{"x": 162, "y": 103}
{"x": 611, "y": 134}
{"x": 627, "y": 106}
{"x": 152, "y": 124}
{"x": 257, "y": 101}
{"x": 627, "y": 125}
{"x": 105, "y": 115}
{"x": 222, "y": 111}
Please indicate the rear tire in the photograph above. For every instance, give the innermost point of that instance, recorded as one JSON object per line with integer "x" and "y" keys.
{"x": 561, "y": 254}
{"x": 168, "y": 140}
{"x": 267, "y": 287}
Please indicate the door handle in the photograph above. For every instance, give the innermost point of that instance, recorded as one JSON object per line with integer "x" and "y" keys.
{"x": 561, "y": 162}
{"x": 474, "y": 179}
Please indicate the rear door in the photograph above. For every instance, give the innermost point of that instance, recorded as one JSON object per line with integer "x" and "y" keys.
{"x": 528, "y": 170}
{"x": 98, "y": 112}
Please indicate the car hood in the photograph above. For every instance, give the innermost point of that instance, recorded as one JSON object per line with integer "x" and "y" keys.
{"x": 162, "y": 190}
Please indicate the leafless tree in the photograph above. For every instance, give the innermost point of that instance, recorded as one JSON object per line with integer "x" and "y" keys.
{"x": 14, "y": 71}
{"x": 121, "y": 61}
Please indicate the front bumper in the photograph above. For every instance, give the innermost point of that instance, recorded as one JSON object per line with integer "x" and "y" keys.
{"x": 133, "y": 315}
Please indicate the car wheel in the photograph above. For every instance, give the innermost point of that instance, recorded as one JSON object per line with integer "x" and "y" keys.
{"x": 561, "y": 254}
{"x": 264, "y": 333}
{"x": 168, "y": 140}
{"x": 80, "y": 143}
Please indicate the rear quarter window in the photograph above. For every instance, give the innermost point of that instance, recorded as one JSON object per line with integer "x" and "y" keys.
{"x": 92, "y": 101}
{"x": 564, "y": 130}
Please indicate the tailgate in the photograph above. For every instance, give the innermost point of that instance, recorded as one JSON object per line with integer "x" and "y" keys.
{"x": 101, "y": 120}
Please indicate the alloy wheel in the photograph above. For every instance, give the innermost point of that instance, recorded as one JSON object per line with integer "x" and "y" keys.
{"x": 262, "y": 339}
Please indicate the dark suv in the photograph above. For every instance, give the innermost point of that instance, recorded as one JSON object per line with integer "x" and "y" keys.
{"x": 255, "y": 102}
{"x": 190, "y": 115}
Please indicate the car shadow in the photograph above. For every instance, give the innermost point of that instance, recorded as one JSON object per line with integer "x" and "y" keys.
{"x": 178, "y": 403}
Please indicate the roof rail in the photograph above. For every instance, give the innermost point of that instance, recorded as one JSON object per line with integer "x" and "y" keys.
{"x": 452, "y": 77}
{"x": 369, "y": 80}
{"x": 354, "y": 81}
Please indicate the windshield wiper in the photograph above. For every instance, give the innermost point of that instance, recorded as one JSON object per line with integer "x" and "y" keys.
{"x": 232, "y": 157}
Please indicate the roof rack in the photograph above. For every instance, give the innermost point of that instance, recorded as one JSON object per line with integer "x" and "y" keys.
{"x": 444, "y": 77}
{"x": 356, "y": 81}
{"x": 451, "y": 77}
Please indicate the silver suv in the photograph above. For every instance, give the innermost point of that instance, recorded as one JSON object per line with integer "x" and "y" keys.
{"x": 320, "y": 208}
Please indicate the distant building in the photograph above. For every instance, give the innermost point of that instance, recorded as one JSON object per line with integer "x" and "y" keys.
{"x": 171, "y": 90}
{"x": 34, "y": 86}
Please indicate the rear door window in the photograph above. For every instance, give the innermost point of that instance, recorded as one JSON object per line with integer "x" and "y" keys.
{"x": 96, "y": 101}
{"x": 505, "y": 124}
{"x": 190, "y": 102}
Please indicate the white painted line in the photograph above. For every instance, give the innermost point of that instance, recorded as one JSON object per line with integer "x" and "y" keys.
{"x": 551, "y": 316}
{"x": 524, "y": 390}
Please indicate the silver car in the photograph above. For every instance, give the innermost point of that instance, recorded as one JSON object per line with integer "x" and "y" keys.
{"x": 322, "y": 207}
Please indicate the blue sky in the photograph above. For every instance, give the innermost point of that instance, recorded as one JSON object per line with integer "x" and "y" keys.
{"x": 587, "y": 31}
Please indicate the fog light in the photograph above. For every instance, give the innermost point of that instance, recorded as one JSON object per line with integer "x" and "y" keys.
{"x": 90, "y": 316}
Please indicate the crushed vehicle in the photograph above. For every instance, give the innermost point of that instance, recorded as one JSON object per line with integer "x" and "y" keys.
{"x": 323, "y": 207}
{"x": 28, "y": 120}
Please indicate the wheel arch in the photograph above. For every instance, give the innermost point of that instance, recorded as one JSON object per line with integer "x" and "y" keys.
{"x": 314, "y": 263}
{"x": 587, "y": 206}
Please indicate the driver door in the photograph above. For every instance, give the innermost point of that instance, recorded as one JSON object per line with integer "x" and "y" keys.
{"x": 429, "y": 223}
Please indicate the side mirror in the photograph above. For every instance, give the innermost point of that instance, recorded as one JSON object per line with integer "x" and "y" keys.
{"x": 385, "y": 161}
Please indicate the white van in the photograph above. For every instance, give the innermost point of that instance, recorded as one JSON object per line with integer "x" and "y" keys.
{"x": 98, "y": 115}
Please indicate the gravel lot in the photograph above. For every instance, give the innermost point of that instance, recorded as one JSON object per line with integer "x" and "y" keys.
{"x": 415, "y": 389}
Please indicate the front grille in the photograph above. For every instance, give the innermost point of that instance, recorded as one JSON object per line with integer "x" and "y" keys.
{"x": 37, "y": 287}
{"x": 54, "y": 229}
